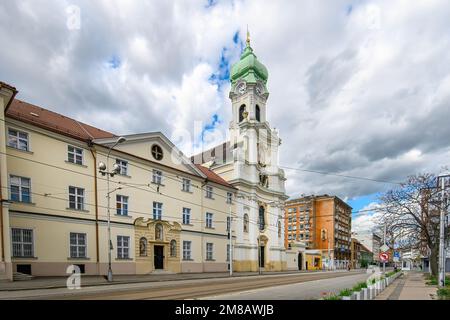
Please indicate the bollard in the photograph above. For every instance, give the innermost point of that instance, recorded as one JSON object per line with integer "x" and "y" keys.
{"x": 364, "y": 294}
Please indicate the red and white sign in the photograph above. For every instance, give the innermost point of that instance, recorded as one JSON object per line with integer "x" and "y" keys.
{"x": 384, "y": 257}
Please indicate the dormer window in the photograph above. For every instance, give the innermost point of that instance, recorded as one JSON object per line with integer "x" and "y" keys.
{"x": 157, "y": 152}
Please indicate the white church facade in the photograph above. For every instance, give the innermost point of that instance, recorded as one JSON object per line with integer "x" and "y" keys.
{"x": 249, "y": 162}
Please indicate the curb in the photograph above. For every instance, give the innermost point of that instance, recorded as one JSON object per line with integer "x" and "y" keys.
{"x": 372, "y": 290}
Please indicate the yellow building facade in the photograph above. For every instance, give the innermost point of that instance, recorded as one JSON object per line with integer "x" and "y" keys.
{"x": 166, "y": 214}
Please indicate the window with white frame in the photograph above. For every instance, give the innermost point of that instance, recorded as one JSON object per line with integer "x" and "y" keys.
{"x": 74, "y": 155}
{"x": 18, "y": 139}
{"x": 76, "y": 198}
{"x": 229, "y": 197}
{"x": 78, "y": 245}
{"x": 157, "y": 210}
{"x": 20, "y": 189}
{"x": 209, "y": 251}
{"x": 123, "y": 167}
{"x": 186, "y": 216}
{"x": 121, "y": 205}
{"x": 228, "y": 223}
{"x": 186, "y": 185}
{"x": 157, "y": 177}
{"x": 22, "y": 242}
{"x": 123, "y": 247}
{"x": 209, "y": 220}
{"x": 187, "y": 250}
{"x": 209, "y": 192}
{"x": 228, "y": 252}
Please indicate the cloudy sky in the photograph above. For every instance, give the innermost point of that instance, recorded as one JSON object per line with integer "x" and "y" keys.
{"x": 357, "y": 88}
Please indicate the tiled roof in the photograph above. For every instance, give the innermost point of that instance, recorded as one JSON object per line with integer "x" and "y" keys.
{"x": 213, "y": 177}
{"x": 53, "y": 121}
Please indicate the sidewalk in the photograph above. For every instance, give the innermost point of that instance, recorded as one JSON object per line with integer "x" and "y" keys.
{"x": 60, "y": 282}
{"x": 410, "y": 286}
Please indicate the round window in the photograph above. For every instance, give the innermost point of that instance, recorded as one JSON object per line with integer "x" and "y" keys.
{"x": 157, "y": 152}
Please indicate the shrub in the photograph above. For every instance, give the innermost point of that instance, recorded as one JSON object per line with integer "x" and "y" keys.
{"x": 444, "y": 293}
{"x": 433, "y": 281}
{"x": 345, "y": 293}
{"x": 359, "y": 286}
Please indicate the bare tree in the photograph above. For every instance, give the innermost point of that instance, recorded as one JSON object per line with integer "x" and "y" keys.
{"x": 411, "y": 214}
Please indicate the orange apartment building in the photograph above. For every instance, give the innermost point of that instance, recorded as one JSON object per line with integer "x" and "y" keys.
{"x": 323, "y": 223}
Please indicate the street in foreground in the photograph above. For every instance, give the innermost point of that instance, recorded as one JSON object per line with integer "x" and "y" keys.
{"x": 201, "y": 288}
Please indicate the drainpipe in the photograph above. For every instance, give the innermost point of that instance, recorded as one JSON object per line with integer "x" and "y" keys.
{"x": 97, "y": 250}
{"x": 202, "y": 222}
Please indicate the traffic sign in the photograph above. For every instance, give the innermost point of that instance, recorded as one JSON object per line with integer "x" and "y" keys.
{"x": 396, "y": 257}
{"x": 384, "y": 248}
{"x": 384, "y": 257}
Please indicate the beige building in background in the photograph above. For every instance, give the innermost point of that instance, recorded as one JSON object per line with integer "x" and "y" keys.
{"x": 167, "y": 214}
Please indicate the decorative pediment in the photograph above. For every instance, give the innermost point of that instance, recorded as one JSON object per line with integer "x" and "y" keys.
{"x": 150, "y": 224}
{"x": 156, "y": 147}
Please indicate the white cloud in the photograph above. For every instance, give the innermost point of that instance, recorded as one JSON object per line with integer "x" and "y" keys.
{"x": 365, "y": 93}
{"x": 364, "y": 222}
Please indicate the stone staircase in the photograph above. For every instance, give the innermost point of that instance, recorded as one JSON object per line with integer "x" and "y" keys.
{"x": 17, "y": 276}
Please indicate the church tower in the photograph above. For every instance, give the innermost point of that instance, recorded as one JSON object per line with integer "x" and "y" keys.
{"x": 254, "y": 145}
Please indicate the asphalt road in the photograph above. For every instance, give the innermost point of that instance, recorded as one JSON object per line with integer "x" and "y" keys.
{"x": 310, "y": 290}
{"x": 201, "y": 288}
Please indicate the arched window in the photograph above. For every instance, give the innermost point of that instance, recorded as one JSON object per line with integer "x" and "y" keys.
{"x": 279, "y": 229}
{"x": 258, "y": 113}
{"x": 241, "y": 113}
{"x": 261, "y": 220}
{"x": 173, "y": 248}
{"x": 159, "y": 232}
{"x": 143, "y": 247}
{"x": 245, "y": 222}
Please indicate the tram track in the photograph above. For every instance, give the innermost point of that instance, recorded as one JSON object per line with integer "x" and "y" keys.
{"x": 195, "y": 290}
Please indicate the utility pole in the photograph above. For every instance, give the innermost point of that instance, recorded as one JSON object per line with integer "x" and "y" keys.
{"x": 442, "y": 255}
{"x": 384, "y": 240}
{"x": 231, "y": 244}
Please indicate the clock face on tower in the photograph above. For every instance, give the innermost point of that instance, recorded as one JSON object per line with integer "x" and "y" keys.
{"x": 241, "y": 88}
{"x": 259, "y": 89}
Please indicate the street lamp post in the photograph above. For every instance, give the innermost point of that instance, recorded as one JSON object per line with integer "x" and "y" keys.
{"x": 231, "y": 243}
{"x": 442, "y": 255}
{"x": 104, "y": 170}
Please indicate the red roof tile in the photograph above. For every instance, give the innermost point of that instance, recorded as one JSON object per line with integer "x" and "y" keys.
{"x": 53, "y": 121}
{"x": 213, "y": 177}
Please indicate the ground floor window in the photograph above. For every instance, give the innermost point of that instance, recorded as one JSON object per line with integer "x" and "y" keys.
{"x": 22, "y": 242}
{"x": 187, "y": 250}
{"x": 123, "y": 247}
{"x": 77, "y": 245}
{"x": 209, "y": 251}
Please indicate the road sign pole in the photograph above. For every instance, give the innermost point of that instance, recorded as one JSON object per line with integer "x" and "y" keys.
{"x": 384, "y": 240}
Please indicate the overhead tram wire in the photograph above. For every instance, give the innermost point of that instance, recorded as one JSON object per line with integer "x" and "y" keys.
{"x": 285, "y": 167}
{"x": 156, "y": 192}
{"x": 120, "y": 183}
{"x": 341, "y": 175}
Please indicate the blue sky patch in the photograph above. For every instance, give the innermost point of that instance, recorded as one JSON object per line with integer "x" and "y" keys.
{"x": 210, "y": 126}
{"x": 349, "y": 9}
{"x": 210, "y": 3}
{"x": 114, "y": 62}
{"x": 360, "y": 202}
{"x": 223, "y": 70}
